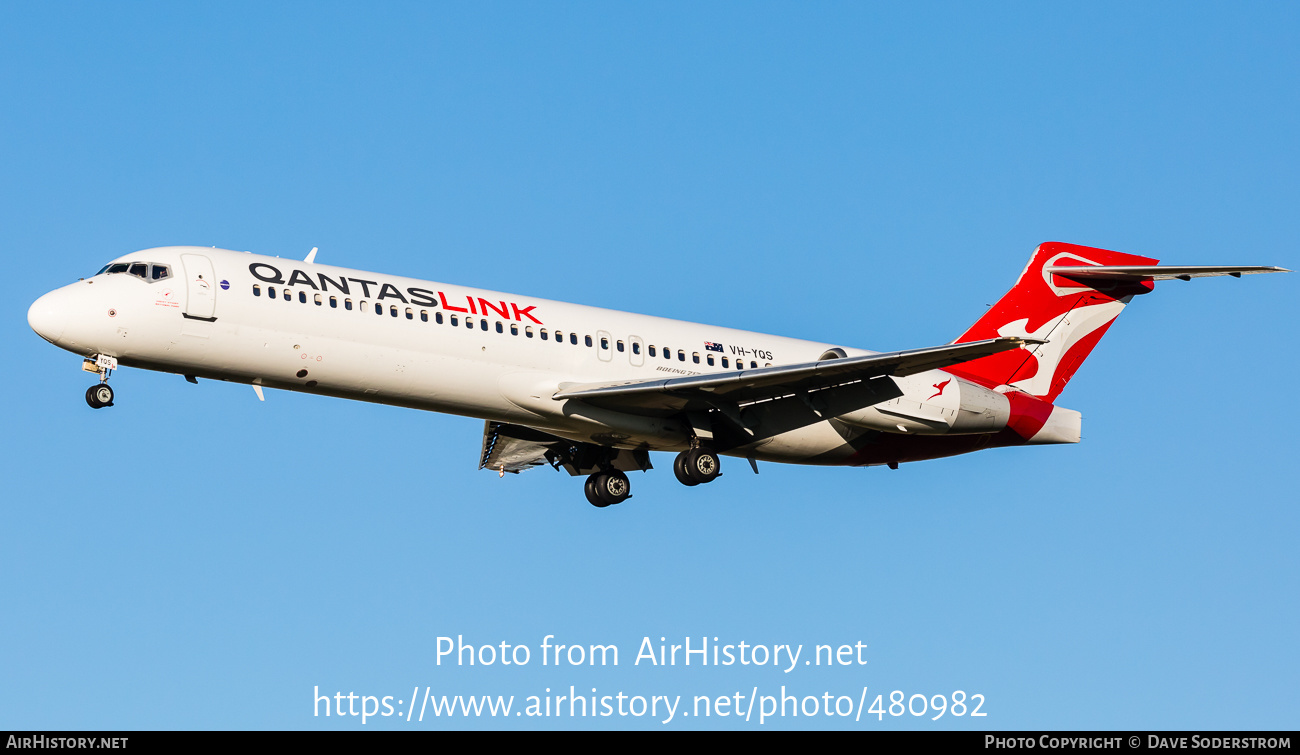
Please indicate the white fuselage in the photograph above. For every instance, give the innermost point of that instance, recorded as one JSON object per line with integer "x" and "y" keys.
{"x": 294, "y": 325}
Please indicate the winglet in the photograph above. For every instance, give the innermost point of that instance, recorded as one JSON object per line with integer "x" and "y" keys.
{"x": 311, "y": 256}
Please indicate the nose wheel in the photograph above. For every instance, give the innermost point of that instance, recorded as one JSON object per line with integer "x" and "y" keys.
{"x": 99, "y": 396}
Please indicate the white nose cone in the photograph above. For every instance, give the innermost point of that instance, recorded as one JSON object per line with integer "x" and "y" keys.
{"x": 46, "y": 317}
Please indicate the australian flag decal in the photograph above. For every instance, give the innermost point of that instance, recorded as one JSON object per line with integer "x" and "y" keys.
{"x": 711, "y": 346}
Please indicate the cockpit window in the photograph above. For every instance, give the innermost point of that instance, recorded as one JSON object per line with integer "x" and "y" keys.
{"x": 142, "y": 270}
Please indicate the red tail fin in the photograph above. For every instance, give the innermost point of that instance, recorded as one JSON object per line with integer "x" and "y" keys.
{"x": 1070, "y": 315}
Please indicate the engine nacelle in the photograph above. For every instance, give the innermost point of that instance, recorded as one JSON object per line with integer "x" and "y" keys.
{"x": 936, "y": 403}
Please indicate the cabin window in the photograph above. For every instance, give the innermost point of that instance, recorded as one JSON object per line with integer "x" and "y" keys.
{"x": 379, "y": 308}
{"x": 500, "y": 328}
{"x": 257, "y": 290}
{"x": 302, "y": 297}
{"x": 455, "y": 322}
{"x": 709, "y": 359}
{"x": 543, "y": 334}
{"x": 604, "y": 344}
{"x": 469, "y": 322}
{"x": 410, "y": 313}
{"x": 319, "y": 301}
{"x": 753, "y": 365}
{"x": 270, "y": 292}
{"x": 424, "y": 315}
{"x": 588, "y": 340}
{"x": 392, "y": 310}
{"x": 514, "y": 329}
{"x": 652, "y": 351}
{"x": 160, "y": 271}
{"x": 483, "y": 325}
{"x": 726, "y": 362}
{"x": 363, "y": 305}
{"x": 573, "y": 338}
{"x": 695, "y": 357}
{"x": 681, "y": 355}
{"x": 437, "y": 316}
{"x": 528, "y": 331}
{"x": 618, "y": 345}
{"x": 347, "y": 304}
{"x": 288, "y": 295}
{"x": 334, "y": 302}
{"x": 668, "y": 353}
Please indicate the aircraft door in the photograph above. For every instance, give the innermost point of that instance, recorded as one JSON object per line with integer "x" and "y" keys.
{"x": 200, "y": 287}
{"x": 637, "y": 355}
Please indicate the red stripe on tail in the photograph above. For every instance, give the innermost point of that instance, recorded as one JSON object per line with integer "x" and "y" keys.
{"x": 1070, "y": 316}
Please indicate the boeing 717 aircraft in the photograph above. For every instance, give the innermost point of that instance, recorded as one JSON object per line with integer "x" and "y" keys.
{"x": 594, "y": 391}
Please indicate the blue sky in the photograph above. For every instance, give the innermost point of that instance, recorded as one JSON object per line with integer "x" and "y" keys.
{"x": 872, "y": 175}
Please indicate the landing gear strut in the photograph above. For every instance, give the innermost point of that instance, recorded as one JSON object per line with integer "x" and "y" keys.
{"x": 697, "y": 466}
{"x": 607, "y": 488}
{"x": 100, "y": 396}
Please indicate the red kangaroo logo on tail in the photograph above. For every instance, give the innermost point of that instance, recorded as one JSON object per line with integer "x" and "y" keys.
{"x": 940, "y": 386}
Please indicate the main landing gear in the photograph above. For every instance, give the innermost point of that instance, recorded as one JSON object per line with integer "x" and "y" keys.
{"x": 696, "y": 466}
{"x": 100, "y": 396}
{"x": 607, "y": 488}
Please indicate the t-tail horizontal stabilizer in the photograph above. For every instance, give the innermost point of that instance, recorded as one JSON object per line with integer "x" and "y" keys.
{"x": 1137, "y": 273}
{"x": 1068, "y": 295}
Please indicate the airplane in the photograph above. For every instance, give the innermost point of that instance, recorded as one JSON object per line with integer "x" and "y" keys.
{"x": 593, "y": 391}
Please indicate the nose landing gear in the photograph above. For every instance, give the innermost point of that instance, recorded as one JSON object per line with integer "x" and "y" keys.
{"x": 100, "y": 396}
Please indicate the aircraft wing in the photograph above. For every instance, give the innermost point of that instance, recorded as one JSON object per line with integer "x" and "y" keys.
{"x": 698, "y": 392}
{"x": 514, "y": 448}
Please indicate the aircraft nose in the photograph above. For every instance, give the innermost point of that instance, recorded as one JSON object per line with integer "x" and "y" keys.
{"x": 47, "y": 318}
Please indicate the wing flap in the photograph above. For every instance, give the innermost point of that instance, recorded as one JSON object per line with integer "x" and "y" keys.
{"x": 513, "y": 448}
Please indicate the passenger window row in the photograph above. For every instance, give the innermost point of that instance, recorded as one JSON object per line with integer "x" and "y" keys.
{"x": 500, "y": 327}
